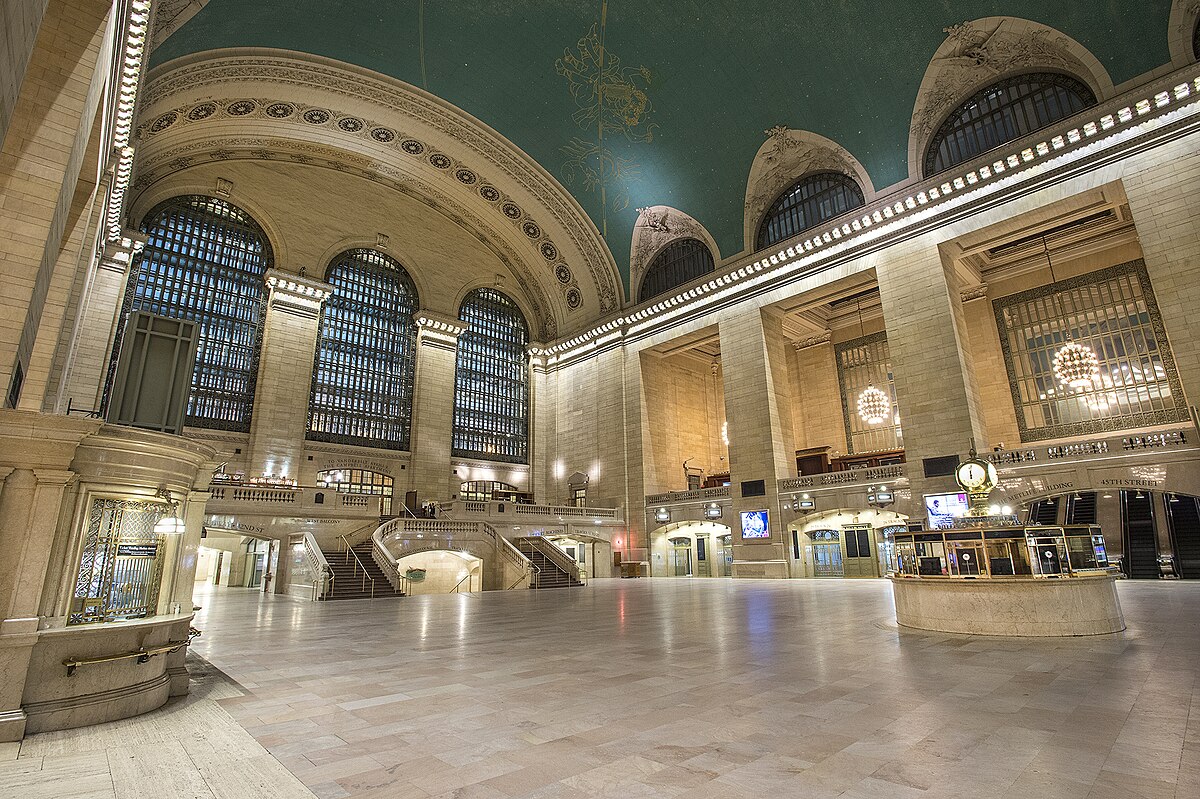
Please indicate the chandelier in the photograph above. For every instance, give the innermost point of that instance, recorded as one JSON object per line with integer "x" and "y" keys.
{"x": 1075, "y": 365}
{"x": 873, "y": 405}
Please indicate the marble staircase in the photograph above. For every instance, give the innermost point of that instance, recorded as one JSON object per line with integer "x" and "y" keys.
{"x": 356, "y": 575}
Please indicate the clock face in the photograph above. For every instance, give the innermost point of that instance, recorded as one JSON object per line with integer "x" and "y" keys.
{"x": 974, "y": 474}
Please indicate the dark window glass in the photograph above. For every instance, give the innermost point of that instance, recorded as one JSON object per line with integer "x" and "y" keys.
{"x": 1196, "y": 40}
{"x": 362, "y": 386}
{"x": 205, "y": 261}
{"x": 491, "y": 382}
{"x": 810, "y": 201}
{"x": 1003, "y": 112}
{"x": 679, "y": 262}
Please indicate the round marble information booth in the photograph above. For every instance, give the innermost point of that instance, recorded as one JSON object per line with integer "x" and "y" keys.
{"x": 1010, "y": 581}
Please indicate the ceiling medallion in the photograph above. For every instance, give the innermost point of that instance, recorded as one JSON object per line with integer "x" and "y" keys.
{"x": 1076, "y": 365}
{"x": 873, "y": 405}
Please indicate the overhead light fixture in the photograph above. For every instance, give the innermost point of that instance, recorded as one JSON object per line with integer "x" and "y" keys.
{"x": 1074, "y": 364}
{"x": 874, "y": 407}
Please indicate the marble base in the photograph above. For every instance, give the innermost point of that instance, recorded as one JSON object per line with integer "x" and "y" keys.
{"x": 101, "y": 692}
{"x": 761, "y": 569}
{"x": 1010, "y": 606}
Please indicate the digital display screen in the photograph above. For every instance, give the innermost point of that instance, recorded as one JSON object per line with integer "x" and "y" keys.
{"x": 754, "y": 524}
{"x": 942, "y": 508}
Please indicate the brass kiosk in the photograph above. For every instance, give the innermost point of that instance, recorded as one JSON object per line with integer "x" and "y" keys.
{"x": 987, "y": 574}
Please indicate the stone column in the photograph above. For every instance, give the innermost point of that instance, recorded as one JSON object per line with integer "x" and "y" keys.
{"x": 433, "y": 405}
{"x": 95, "y": 328}
{"x": 761, "y": 444}
{"x": 936, "y": 389}
{"x": 541, "y": 430}
{"x": 285, "y": 371}
{"x": 183, "y": 576}
{"x": 1163, "y": 188}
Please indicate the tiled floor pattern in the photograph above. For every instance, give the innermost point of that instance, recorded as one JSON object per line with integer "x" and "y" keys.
{"x": 702, "y": 688}
{"x": 189, "y": 749}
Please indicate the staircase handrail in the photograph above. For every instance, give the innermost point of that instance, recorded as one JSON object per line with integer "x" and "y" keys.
{"x": 514, "y": 555}
{"x": 555, "y": 554}
{"x": 358, "y": 564}
{"x": 319, "y": 565}
{"x": 386, "y": 563}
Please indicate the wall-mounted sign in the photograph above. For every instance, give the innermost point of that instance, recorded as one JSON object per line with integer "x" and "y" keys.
{"x": 755, "y": 524}
{"x": 137, "y": 550}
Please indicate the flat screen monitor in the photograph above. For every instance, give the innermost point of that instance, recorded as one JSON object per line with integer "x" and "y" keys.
{"x": 754, "y": 524}
{"x": 942, "y": 508}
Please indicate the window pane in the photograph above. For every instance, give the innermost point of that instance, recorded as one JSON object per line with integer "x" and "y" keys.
{"x": 1003, "y": 112}
{"x": 362, "y": 385}
{"x": 680, "y": 262}
{"x": 864, "y": 363}
{"x": 1113, "y": 312}
{"x": 205, "y": 261}
{"x": 491, "y": 382}
{"x": 811, "y": 201}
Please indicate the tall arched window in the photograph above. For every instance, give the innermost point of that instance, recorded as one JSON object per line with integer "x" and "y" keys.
{"x": 1196, "y": 39}
{"x": 1003, "y": 112}
{"x": 679, "y": 262}
{"x": 362, "y": 386}
{"x": 810, "y": 201}
{"x": 491, "y": 381}
{"x": 205, "y": 261}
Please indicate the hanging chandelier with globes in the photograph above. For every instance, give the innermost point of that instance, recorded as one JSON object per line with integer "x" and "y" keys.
{"x": 1075, "y": 365}
{"x": 874, "y": 406}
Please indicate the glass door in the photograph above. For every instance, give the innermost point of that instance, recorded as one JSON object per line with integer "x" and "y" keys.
{"x": 680, "y": 558}
{"x": 827, "y": 559}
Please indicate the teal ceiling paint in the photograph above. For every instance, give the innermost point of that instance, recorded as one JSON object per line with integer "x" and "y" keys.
{"x": 717, "y": 74}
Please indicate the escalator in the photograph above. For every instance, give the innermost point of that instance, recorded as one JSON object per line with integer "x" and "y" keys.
{"x": 1137, "y": 531}
{"x": 1184, "y": 516}
{"x": 1081, "y": 509}
{"x": 1044, "y": 511}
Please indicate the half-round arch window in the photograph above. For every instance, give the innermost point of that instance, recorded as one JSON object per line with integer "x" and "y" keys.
{"x": 362, "y": 387}
{"x": 491, "y": 380}
{"x": 811, "y": 201}
{"x": 679, "y": 262}
{"x": 1196, "y": 40}
{"x": 1003, "y": 112}
{"x": 205, "y": 260}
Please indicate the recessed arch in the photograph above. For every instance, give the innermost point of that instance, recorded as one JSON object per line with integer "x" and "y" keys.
{"x": 787, "y": 157}
{"x": 657, "y": 226}
{"x": 205, "y": 261}
{"x": 1183, "y": 32}
{"x": 983, "y": 52}
{"x": 365, "y": 361}
{"x": 680, "y": 261}
{"x": 813, "y": 200}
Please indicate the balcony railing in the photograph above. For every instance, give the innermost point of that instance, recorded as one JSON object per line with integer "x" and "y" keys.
{"x": 680, "y": 497}
{"x": 266, "y": 500}
{"x": 850, "y": 477}
{"x": 466, "y": 509}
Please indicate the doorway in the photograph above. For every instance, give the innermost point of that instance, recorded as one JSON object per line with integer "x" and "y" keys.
{"x": 679, "y": 557}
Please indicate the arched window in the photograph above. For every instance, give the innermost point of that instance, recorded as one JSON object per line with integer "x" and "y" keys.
{"x": 491, "y": 383}
{"x": 362, "y": 386}
{"x": 810, "y": 201}
{"x": 1003, "y": 112}
{"x": 205, "y": 261}
{"x": 1196, "y": 40}
{"x": 680, "y": 261}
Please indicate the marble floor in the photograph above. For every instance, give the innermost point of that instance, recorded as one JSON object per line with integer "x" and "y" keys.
{"x": 689, "y": 688}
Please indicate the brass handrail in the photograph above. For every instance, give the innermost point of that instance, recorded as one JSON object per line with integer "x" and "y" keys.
{"x": 142, "y": 655}
{"x": 455, "y": 590}
{"x": 358, "y": 564}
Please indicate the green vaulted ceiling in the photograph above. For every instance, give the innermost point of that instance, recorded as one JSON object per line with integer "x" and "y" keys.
{"x": 693, "y": 83}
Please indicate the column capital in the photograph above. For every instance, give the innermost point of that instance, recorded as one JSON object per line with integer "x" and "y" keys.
{"x": 59, "y": 477}
{"x": 296, "y": 293}
{"x": 438, "y": 330}
{"x": 976, "y": 292}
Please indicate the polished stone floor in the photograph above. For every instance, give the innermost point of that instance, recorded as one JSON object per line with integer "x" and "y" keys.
{"x": 705, "y": 688}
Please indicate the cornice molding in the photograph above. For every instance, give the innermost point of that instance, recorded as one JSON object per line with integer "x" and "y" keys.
{"x": 199, "y": 74}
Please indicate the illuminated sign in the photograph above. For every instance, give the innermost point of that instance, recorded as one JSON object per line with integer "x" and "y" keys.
{"x": 755, "y": 524}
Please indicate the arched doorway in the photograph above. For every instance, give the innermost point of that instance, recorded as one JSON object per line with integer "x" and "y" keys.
{"x": 691, "y": 549}
{"x": 441, "y": 571}
{"x": 846, "y": 542}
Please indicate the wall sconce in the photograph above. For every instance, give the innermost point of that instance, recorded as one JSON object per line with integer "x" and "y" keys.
{"x": 662, "y": 515}
{"x": 804, "y": 504}
{"x": 170, "y": 524}
{"x": 713, "y": 511}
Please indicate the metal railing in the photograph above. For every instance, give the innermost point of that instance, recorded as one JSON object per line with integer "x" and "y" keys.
{"x": 318, "y": 564}
{"x": 441, "y": 536}
{"x": 472, "y": 507}
{"x": 358, "y": 565}
{"x": 555, "y": 555}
